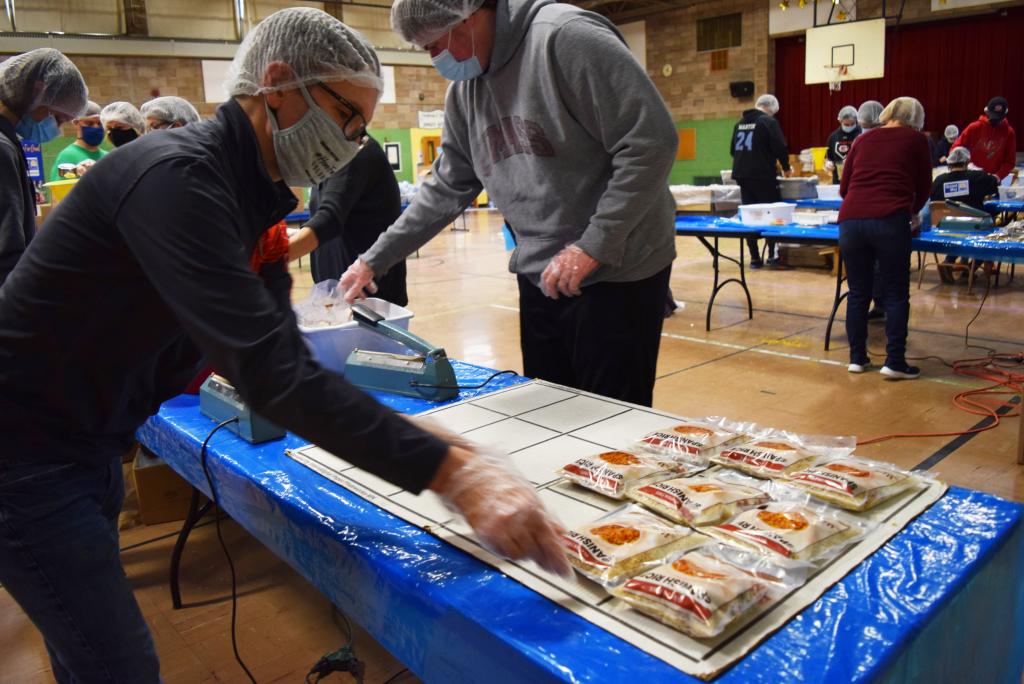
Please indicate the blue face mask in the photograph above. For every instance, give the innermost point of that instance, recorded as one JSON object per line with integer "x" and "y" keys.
{"x": 454, "y": 70}
{"x": 92, "y": 135}
{"x": 38, "y": 131}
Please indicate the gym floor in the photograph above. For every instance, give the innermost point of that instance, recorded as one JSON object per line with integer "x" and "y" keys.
{"x": 772, "y": 370}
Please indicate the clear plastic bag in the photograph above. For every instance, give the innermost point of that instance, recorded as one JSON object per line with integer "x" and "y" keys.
{"x": 777, "y": 453}
{"x": 613, "y": 473}
{"x": 325, "y": 307}
{"x": 855, "y": 484}
{"x": 702, "y": 500}
{"x": 624, "y": 543}
{"x": 694, "y": 441}
{"x": 705, "y": 591}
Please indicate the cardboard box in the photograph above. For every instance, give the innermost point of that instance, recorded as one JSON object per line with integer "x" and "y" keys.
{"x": 163, "y": 494}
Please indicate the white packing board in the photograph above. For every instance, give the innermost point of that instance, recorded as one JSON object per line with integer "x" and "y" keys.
{"x": 544, "y": 426}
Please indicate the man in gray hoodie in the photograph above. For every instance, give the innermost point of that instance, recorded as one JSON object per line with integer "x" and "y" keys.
{"x": 550, "y": 112}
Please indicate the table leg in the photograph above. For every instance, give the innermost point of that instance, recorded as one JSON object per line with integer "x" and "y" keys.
{"x": 195, "y": 513}
{"x": 839, "y": 297}
{"x": 714, "y": 287}
{"x": 716, "y": 256}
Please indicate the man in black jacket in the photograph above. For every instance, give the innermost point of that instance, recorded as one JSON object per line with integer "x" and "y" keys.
{"x": 841, "y": 140}
{"x": 757, "y": 146}
{"x": 347, "y": 213}
{"x": 142, "y": 271}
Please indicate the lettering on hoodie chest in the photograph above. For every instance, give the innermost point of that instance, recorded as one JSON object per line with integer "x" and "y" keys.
{"x": 512, "y": 136}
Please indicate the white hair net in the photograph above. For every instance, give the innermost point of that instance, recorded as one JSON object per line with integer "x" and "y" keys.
{"x": 170, "y": 110}
{"x": 316, "y": 46}
{"x": 769, "y": 103}
{"x": 42, "y": 78}
{"x": 91, "y": 109}
{"x": 906, "y": 110}
{"x": 847, "y": 112}
{"x": 423, "y": 21}
{"x": 123, "y": 112}
{"x": 867, "y": 115}
{"x": 958, "y": 156}
{"x": 951, "y": 132}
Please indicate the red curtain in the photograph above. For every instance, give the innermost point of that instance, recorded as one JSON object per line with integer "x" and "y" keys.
{"x": 953, "y": 67}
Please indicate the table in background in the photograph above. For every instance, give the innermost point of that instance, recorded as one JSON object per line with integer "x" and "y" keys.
{"x": 825, "y": 204}
{"x": 941, "y": 601}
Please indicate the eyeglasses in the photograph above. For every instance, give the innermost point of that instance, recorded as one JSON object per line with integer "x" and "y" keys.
{"x": 360, "y": 136}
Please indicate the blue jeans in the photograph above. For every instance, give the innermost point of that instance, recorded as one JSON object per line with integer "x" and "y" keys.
{"x": 60, "y": 560}
{"x": 863, "y": 242}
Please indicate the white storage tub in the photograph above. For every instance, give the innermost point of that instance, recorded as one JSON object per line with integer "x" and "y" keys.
{"x": 828, "y": 192}
{"x": 774, "y": 214}
{"x": 1011, "y": 193}
{"x": 332, "y": 345}
{"x": 810, "y": 218}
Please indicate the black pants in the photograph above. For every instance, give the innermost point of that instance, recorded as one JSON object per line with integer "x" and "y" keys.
{"x": 759, "y": 191}
{"x": 887, "y": 241}
{"x": 605, "y": 341}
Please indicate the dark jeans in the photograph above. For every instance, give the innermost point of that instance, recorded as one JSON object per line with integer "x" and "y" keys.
{"x": 605, "y": 341}
{"x": 759, "y": 191}
{"x": 887, "y": 241}
{"x": 59, "y": 559}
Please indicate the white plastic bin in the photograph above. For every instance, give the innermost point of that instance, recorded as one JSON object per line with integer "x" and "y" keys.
{"x": 810, "y": 218}
{"x": 828, "y": 192}
{"x": 1011, "y": 193}
{"x": 332, "y": 345}
{"x": 774, "y": 214}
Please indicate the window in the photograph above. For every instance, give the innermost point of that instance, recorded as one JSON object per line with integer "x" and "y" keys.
{"x": 719, "y": 33}
{"x": 69, "y": 16}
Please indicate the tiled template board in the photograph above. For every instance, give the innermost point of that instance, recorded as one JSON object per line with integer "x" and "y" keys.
{"x": 544, "y": 426}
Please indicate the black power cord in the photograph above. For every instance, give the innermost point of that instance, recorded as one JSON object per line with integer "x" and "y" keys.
{"x": 464, "y": 387}
{"x": 342, "y": 660}
{"x": 223, "y": 545}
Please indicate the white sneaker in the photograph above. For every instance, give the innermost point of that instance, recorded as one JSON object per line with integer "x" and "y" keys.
{"x": 911, "y": 373}
{"x": 858, "y": 367}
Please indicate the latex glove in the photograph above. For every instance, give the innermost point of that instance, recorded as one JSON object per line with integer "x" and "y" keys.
{"x": 566, "y": 271}
{"x": 829, "y": 166}
{"x": 502, "y": 508}
{"x": 358, "y": 277}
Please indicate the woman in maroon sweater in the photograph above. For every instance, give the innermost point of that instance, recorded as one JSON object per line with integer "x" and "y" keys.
{"x": 886, "y": 180}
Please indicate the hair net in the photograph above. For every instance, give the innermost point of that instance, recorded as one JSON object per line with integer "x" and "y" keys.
{"x": 867, "y": 115}
{"x": 906, "y": 110}
{"x": 951, "y": 132}
{"x": 768, "y": 102}
{"x": 91, "y": 109}
{"x": 170, "y": 110}
{"x": 847, "y": 112}
{"x": 123, "y": 112}
{"x": 314, "y": 44}
{"x": 42, "y": 78}
{"x": 423, "y": 21}
{"x": 958, "y": 156}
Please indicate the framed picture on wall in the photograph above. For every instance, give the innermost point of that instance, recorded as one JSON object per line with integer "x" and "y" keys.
{"x": 394, "y": 152}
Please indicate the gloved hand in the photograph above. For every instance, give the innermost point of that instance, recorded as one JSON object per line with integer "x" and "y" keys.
{"x": 829, "y": 166}
{"x": 501, "y": 507}
{"x": 566, "y": 271}
{"x": 357, "y": 277}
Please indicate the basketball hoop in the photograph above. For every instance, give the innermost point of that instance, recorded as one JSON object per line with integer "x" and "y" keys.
{"x": 836, "y": 73}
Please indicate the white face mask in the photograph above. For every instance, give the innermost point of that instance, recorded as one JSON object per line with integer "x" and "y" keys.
{"x": 313, "y": 149}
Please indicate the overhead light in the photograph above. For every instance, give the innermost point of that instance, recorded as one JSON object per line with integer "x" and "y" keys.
{"x": 784, "y": 5}
{"x": 803, "y": 3}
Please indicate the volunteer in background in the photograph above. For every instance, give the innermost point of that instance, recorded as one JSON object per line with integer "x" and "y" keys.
{"x": 991, "y": 140}
{"x": 886, "y": 182}
{"x": 89, "y": 135}
{"x": 867, "y": 115}
{"x": 578, "y": 168}
{"x": 758, "y": 147}
{"x": 840, "y": 140}
{"x": 123, "y": 123}
{"x": 943, "y": 147}
{"x": 39, "y": 90}
{"x": 168, "y": 111}
{"x": 143, "y": 269}
{"x": 968, "y": 186}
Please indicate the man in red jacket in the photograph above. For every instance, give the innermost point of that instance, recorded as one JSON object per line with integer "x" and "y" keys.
{"x": 991, "y": 140}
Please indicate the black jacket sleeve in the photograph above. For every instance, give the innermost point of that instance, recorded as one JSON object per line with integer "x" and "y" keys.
{"x": 831, "y": 145}
{"x": 12, "y": 209}
{"x": 777, "y": 142}
{"x": 338, "y": 194}
{"x": 732, "y": 140}
{"x": 185, "y": 238}
{"x": 937, "y": 192}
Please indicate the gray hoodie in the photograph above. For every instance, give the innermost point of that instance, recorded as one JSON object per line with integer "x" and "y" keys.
{"x": 571, "y": 140}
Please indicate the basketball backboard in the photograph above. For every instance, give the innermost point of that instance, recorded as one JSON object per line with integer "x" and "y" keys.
{"x": 858, "y": 45}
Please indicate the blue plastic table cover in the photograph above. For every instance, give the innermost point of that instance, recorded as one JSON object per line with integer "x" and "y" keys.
{"x": 970, "y": 246}
{"x": 828, "y": 233}
{"x": 818, "y": 203}
{"x": 714, "y": 225}
{"x": 941, "y": 602}
{"x": 1005, "y": 205}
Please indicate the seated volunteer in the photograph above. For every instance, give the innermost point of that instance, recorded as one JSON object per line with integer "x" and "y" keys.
{"x": 39, "y": 90}
{"x": 579, "y": 171}
{"x": 143, "y": 270}
{"x": 347, "y": 213}
{"x": 886, "y": 181}
{"x": 168, "y": 111}
{"x": 961, "y": 184}
{"x": 88, "y": 136}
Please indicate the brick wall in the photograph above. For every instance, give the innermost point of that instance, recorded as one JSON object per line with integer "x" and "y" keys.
{"x": 693, "y": 91}
{"x": 416, "y": 89}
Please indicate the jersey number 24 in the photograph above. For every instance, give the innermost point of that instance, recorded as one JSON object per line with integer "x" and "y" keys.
{"x": 744, "y": 141}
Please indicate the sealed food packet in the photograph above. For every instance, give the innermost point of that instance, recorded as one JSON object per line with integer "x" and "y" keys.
{"x": 691, "y": 441}
{"x": 698, "y": 593}
{"x": 852, "y": 483}
{"x": 778, "y": 453}
{"x": 613, "y": 472}
{"x": 624, "y": 543}
{"x": 790, "y": 530}
{"x": 698, "y": 500}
